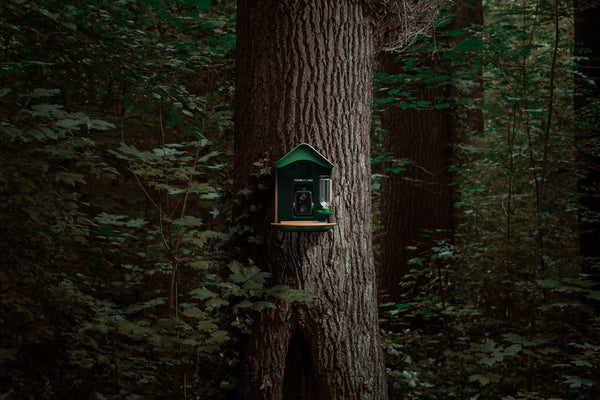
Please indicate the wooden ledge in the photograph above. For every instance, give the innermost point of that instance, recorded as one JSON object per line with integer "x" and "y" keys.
{"x": 303, "y": 223}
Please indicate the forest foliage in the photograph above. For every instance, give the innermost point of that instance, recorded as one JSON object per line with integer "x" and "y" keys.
{"x": 124, "y": 274}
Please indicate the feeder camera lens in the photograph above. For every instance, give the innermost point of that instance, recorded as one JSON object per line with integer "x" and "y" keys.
{"x": 303, "y": 203}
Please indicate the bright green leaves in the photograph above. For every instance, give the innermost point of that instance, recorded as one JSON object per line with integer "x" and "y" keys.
{"x": 403, "y": 92}
{"x": 388, "y": 99}
{"x": 470, "y": 44}
{"x": 395, "y": 170}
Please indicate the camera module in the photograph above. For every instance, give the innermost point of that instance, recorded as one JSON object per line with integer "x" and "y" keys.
{"x": 303, "y": 202}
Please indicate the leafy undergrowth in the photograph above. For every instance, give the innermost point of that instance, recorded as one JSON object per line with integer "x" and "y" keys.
{"x": 74, "y": 332}
{"x": 494, "y": 337}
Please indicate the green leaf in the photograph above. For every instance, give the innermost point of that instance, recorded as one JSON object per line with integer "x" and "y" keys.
{"x": 72, "y": 123}
{"x": 595, "y": 295}
{"x": 577, "y": 382}
{"x": 206, "y": 326}
{"x": 479, "y": 378}
{"x": 209, "y": 196}
{"x": 69, "y": 178}
{"x": 582, "y": 363}
{"x": 111, "y": 219}
{"x": 452, "y": 55}
{"x": 473, "y": 187}
{"x": 100, "y": 125}
{"x": 52, "y": 16}
{"x": 241, "y": 273}
{"x": 136, "y": 223}
{"x": 39, "y": 92}
{"x": 512, "y": 350}
{"x": 8, "y": 354}
{"x": 208, "y": 156}
{"x": 421, "y": 103}
{"x": 218, "y": 337}
{"x": 388, "y": 99}
{"x": 256, "y": 305}
{"x": 194, "y": 312}
{"x": 142, "y": 306}
{"x": 469, "y": 44}
{"x": 202, "y": 293}
{"x": 188, "y": 220}
{"x": 202, "y": 4}
{"x": 454, "y": 32}
{"x": 216, "y": 303}
{"x": 549, "y": 350}
{"x": 38, "y": 110}
{"x": 396, "y": 170}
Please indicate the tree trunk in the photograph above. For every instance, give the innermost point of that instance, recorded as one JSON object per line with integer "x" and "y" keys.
{"x": 587, "y": 97}
{"x": 304, "y": 75}
{"x": 416, "y": 204}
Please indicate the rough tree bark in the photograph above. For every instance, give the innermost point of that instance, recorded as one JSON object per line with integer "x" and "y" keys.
{"x": 304, "y": 75}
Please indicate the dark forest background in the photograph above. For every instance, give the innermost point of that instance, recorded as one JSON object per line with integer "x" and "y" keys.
{"x": 124, "y": 274}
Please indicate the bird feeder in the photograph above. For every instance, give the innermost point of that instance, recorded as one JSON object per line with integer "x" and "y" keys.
{"x": 303, "y": 191}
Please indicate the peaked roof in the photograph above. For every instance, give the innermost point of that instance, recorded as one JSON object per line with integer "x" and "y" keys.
{"x": 304, "y": 152}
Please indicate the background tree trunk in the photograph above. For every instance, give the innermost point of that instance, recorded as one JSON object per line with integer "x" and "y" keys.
{"x": 416, "y": 204}
{"x": 304, "y": 75}
{"x": 587, "y": 98}
{"x": 419, "y": 198}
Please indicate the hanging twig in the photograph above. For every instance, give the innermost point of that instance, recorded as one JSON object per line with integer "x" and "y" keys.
{"x": 399, "y": 22}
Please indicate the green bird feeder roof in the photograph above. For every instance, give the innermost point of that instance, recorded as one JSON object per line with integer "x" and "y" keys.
{"x": 304, "y": 152}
